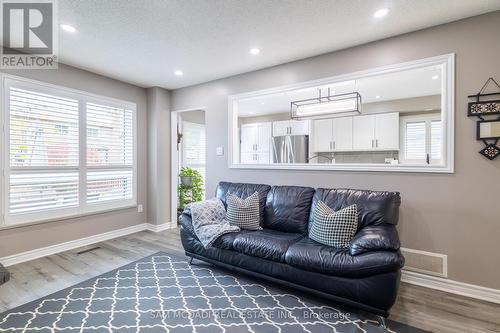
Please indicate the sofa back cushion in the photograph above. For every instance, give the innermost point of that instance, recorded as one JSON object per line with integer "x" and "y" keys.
{"x": 287, "y": 208}
{"x": 374, "y": 207}
{"x": 243, "y": 190}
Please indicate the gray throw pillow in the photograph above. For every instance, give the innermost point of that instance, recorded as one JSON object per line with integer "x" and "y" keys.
{"x": 334, "y": 228}
{"x": 243, "y": 213}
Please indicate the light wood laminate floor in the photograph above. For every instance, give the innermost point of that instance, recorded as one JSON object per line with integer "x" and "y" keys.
{"x": 417, "y": 306}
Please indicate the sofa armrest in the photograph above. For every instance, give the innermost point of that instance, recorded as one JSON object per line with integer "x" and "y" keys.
{"x": 372, "y": 238}
{"x": 186, "y": 222}
{"x": 4, "y": 274}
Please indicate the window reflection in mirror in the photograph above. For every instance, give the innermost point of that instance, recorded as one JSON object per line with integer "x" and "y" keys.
{"x": 387, "y": 119}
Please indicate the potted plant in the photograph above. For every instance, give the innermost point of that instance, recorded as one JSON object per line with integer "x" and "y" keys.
{"x": 190, "y": 188}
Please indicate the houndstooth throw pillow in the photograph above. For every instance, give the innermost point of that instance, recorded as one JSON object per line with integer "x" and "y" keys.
{"x": 243, "y": 212}
{"x": 334, "y": 228}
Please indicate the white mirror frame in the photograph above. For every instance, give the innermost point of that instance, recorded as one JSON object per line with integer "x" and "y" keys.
{"x": 447, "y": 114}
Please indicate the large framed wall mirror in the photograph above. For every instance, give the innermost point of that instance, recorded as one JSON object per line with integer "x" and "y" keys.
{"x": 395, "y": 118}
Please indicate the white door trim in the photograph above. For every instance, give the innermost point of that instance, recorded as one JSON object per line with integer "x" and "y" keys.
{"x": 174, "y": 159}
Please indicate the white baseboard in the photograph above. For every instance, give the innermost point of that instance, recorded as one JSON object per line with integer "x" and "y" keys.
{"x": 161, "y": 227}
{"x": 451, "y": 286}
{"x": 70, "y": 245}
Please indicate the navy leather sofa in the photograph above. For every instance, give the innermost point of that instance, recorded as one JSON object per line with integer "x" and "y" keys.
{"x": 366, "y": 275}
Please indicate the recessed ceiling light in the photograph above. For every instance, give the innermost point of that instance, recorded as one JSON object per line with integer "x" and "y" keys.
{"x": 262, "y": 103}
{"x": 68, "y": 28}
{"x": 435, "y": 77}
{"x": 377, "y": 97}
{"x": 178, "y": 73}
{"x": 381, "y": 13}
{"x": 254, "y": 51}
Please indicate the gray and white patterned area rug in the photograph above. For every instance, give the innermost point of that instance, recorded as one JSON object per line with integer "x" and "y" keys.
{"x": 162, "y": 293}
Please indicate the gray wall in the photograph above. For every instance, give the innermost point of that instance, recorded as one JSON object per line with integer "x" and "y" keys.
{"x": 158, "y": 155}
{"x": 26, "y": 238}
{"x": 285, "y": 115}
{"x": 197, "y": 117}
{"x": 456, "y": 214}
{"x": 404, "y": 105}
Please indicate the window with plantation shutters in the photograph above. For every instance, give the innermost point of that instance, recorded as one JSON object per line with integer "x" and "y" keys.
{"x": 194, "y": 147}
{"x": 43, "y": 153}
{"x": 110, "y": 149}
{"x": 67, "y": 153}
{"x": 415, "y": 140}
{"x": 422, "y": 140}
{"x": 194, "y": 144}
{"x": 436, "y": 138}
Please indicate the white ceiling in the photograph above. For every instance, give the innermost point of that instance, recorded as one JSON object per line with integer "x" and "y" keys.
{"x": 419, "y": 82}
{"x": 143, "y": 42}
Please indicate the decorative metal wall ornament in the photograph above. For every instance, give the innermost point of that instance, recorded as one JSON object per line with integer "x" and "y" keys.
{"x": 484, "y": 108}
{"x": 490, "y": 151}
{"x": 486, "y": 105}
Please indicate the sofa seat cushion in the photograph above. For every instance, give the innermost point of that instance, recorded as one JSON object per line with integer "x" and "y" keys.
{"x": 267, "y": 243}
{"x": 313, "y": 256}
{"x": 226, "y": 241}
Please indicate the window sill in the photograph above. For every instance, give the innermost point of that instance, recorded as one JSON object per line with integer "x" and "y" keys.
{"x": 63, "y": 218}
{"x": 413, "y": 168}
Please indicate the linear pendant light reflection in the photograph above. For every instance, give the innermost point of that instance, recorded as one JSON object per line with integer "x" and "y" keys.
{"x": 327, "y": 106}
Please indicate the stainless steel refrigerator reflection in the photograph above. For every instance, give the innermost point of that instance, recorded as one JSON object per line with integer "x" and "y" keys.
{"x": 290, "y": 149}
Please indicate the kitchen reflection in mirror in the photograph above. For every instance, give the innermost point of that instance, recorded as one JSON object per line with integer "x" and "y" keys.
{"x": 388, "y": 119}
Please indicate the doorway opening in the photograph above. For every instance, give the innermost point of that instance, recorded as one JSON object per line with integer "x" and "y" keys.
{"x": 188, "y": 158}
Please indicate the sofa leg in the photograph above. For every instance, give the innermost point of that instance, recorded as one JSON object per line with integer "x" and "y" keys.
{"x": 382, "y": 322}
{"x": 190, "y": 261}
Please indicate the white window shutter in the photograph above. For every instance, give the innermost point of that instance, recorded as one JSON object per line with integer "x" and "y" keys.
{"x": 110, "y": 154}
{"x": 43, "y": 129}
{"x": 423, "y": 140}
{"x": 194, "y": 147}
{"x": 194, "y": 144}
{"x": 43, "y": 140}
{"x": 109, "y": 185}
{"x": 39, "y": 192}
{"x": 436, "y": 139}
{"x": 415, "y": 140}
{"x": 110, "y": 136}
